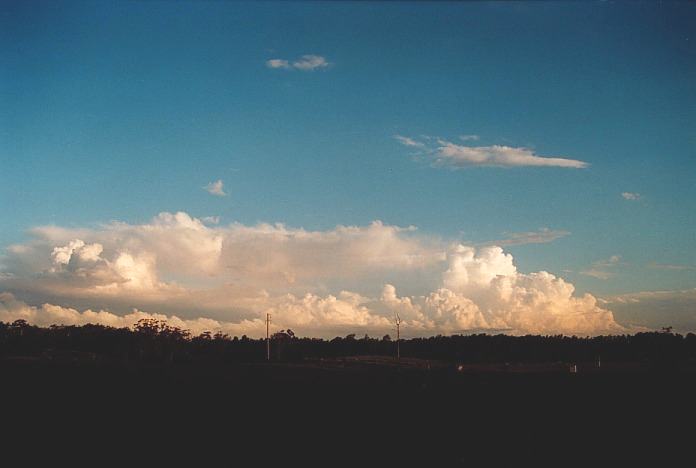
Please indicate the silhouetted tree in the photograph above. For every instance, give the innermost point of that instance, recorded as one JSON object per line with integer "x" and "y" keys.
{"x": 154, "y": 341}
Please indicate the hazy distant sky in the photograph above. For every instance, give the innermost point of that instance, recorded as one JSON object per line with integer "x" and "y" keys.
{"x": 397, "y": 143}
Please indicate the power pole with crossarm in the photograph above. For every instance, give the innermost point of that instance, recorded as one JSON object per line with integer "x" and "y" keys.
{"x": 397, "y": 319}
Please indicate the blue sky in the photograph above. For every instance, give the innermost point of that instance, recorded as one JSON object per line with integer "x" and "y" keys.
{"x": 120, "y": 111}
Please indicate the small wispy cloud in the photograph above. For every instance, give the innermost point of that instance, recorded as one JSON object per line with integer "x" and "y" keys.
{"x": 668, "y": 266}
{"x": 211, "y": 219}
{"x": 216, "y": 188}
{"x": 305, "y": 63}
{"x": 406, "y": 141}
{"x": 631, "y": 195}
{"x": 540, "y": 236}
{"x": 601, "y": 268}
{"x": 277, "y": 63}
{"x": 595, "y": 273}
{"x": 448, "y": 154}
{"x": 469, "y": 137}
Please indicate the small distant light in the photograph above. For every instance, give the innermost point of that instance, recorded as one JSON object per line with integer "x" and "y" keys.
{"x": 460, "y": 368}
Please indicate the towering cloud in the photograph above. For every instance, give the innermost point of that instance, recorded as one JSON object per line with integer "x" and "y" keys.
{"x": 227, "y": 278}
{"x": 484, "y": 290}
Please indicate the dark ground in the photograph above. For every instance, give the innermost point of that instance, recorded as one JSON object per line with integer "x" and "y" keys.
{"x": 358, "y": 411}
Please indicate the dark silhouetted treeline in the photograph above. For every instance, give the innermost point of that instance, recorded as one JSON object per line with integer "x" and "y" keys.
{"x": 155, "y": 341}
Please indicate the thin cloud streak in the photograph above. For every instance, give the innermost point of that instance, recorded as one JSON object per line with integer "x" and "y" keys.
{"x": 600, "y": 268}
{"x": 469, "y": 137}
{"x": 668, "y": 266}
{"x": 307, "y": 62}
{"x": 406, "y": 141}
{"x": 541, "y": 236}
{"x": 455, "y": 156}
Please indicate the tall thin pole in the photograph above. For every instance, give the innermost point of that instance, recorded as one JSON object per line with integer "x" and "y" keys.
{"x": 268, "y": 337}
{"x": 398, "y": 337}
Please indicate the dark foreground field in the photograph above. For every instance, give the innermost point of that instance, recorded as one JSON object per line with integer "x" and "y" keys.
{"x": 358, "y": 411}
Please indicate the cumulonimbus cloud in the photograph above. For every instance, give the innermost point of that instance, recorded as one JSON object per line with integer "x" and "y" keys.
{"x": 176, "y": 246}
{"x": 448, "y": 154}
{"x": 227, "y": 278}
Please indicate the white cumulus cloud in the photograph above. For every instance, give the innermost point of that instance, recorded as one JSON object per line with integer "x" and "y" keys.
{"x": 482, "y": 290}
{"x": 216, "y": 188}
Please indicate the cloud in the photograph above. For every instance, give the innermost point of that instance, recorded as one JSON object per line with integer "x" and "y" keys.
{"x": 227, "y": 278}
{"x": 406, "y": 141}
{"x": 596, "y": 273}
{"x": 277, "y": 63}
{"x": 600, "y": 268}
{"x": 305, "y": 63}
{"x": 536, "y": 302}
{"x": 115, "y": 257}
{"x": 211, "y": 219}
{"x": 81, "y": 264}
{"x": 541, "y": 236}
{"x": 309, "y": 313}
{"x": 469, "y": 137}
{"x": 448, "y": 154}
{"x": 272, "y": 253}
{"x": 482, "y": 290}
{"x": 631, "y": 196}
{"x": 310, "y": 62}
{"x": 656, "y": 309}
{"x": 668, "y": 266}
{"x": 12, "y": 309}
{"x": 216, "y": 188}
{"x": 459, "y": 156}
{"x": 177, "y": 246}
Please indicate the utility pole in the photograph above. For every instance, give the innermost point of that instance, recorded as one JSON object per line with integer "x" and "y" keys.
{"x": 268, "y": 337}
{"x": 398, "y": 336}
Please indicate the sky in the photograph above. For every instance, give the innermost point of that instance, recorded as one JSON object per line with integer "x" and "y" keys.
{"x": 515, "y": 167}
